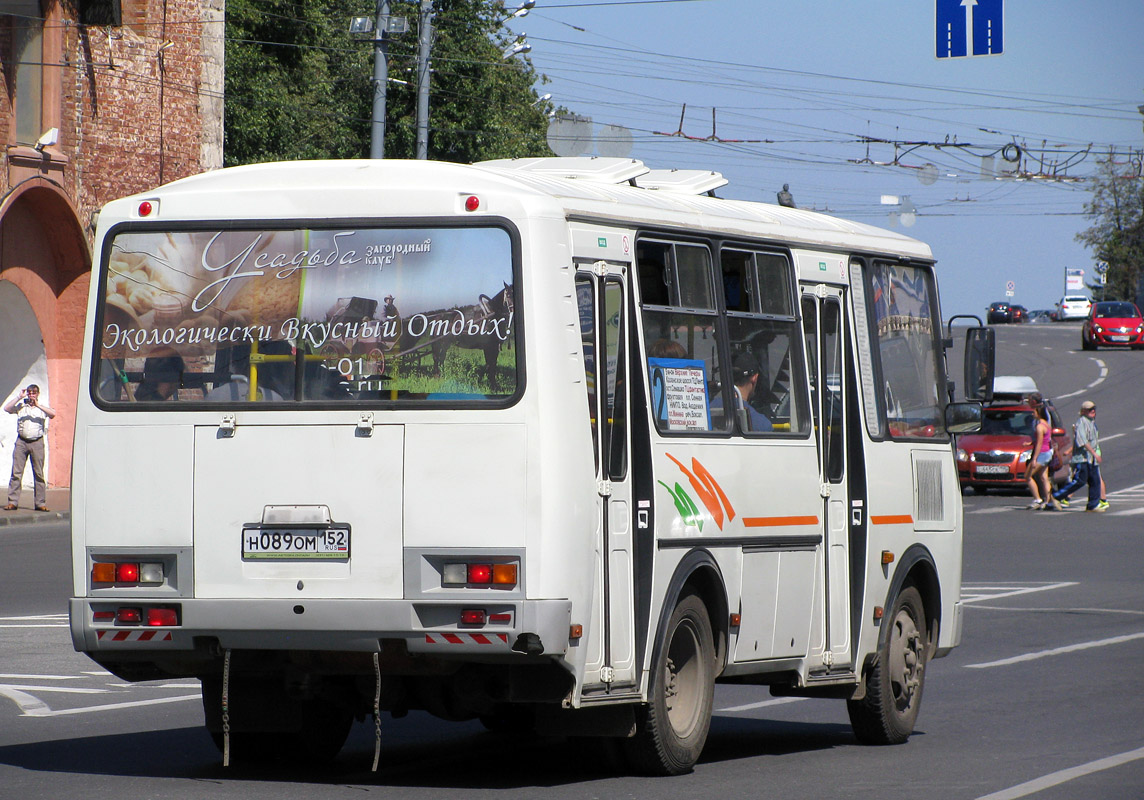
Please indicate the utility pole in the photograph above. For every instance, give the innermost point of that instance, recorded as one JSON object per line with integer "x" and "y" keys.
{"x": 380, "y": 79}
{"x": 425, "y": 44}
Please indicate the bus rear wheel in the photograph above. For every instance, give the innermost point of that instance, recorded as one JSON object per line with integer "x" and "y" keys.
{"x": 672, "y": 728}
{"x": 886, "y": 715}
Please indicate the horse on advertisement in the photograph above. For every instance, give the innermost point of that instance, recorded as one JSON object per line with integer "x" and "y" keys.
{"x": 484, "y": 326}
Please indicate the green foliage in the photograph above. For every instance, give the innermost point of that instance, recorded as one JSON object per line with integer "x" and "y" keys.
{"x": 1117, "y": 234}
{"x": 299, "y": 86}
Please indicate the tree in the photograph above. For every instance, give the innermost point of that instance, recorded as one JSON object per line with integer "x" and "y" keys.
{"x": 1117, "y": 234}
{"x": 298, "y": 86}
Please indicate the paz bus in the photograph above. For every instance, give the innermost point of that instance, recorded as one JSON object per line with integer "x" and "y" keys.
{"x": 554, "y": 443}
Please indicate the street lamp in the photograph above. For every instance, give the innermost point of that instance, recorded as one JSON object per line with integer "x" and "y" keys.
{"x": 383, "y": 26}
{"x": 518, "y": 47}
{"x": 525, "y": 7}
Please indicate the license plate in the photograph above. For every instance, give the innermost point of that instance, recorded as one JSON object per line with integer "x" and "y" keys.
{"x": 296, "y": 543}
{"x": 991, "y": 469}
{"x": 1118, "y": 338}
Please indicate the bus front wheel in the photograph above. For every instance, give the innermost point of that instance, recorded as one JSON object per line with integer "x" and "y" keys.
{"x": 672, "y": 728}
{"x": 886, "y": 715}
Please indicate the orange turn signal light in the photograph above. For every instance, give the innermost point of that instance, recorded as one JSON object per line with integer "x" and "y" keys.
{"x": 504, "y": 574}
{"x": 102, "y": 573}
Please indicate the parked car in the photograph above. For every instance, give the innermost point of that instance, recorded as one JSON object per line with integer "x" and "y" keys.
{"x": 997, "y": 313}
{"x": 1041, "y": 315}
{"x": 1112, "y": 323}
{"x": 1073, "y": 306}
{"x": 996, "y": 457}
{"x": 1018, "y": 313}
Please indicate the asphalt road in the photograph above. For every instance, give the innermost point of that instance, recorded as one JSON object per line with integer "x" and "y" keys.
{"x": 1044, "y": 699}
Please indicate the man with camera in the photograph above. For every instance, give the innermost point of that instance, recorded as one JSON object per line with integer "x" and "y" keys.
{"x": 31, "y": 423}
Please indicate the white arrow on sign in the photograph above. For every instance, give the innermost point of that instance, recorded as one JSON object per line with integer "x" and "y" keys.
{"x": 969, "y": 4}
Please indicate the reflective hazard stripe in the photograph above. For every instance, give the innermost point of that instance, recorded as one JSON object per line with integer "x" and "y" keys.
{"x": 134, "y": 636}
{"x": 466, "y": 638}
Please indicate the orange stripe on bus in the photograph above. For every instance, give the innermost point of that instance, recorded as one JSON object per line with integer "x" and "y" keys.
{"x": 892, "y": 519}
{"x": 768, "y": 522}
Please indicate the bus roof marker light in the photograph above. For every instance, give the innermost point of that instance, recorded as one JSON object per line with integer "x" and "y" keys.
{"x": 146, "y": 208}
{"x": 472, "y": 203}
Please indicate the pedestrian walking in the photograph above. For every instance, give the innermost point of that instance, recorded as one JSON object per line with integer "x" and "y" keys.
{"x": 1085, "y": 460}
{"x": 1037, "y": 471}
{"x": 31, "y": 423}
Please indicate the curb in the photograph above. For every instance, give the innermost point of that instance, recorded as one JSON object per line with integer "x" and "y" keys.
{"x": 30, "y": 518}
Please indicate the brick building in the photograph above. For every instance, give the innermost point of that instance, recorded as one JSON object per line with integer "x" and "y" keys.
{"x": 101, "y": 98}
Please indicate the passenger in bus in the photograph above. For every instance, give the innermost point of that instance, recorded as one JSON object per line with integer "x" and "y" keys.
{"x": 162, "y": 377}
{"x": 746, "y": 375}
{"x": 665, "y": 348}
{"x": 238, "y": 387}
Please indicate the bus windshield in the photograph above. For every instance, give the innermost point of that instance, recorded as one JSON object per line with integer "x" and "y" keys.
{"x": 334, "y": 315}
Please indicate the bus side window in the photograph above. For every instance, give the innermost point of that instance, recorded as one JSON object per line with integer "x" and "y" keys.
{"x": 764, "y": 337}
{"x": 654, "y": 277}
{"x": 682, "y": 329}
{"x": 586, "y": 306}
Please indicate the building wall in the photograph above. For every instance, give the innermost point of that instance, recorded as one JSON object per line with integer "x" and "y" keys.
{"x": 136, "y": 105}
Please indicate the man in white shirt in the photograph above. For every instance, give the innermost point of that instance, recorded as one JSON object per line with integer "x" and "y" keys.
{"x": 31, "y": 424}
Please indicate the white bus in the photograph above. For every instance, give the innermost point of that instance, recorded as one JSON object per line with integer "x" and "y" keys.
{"x": 553, "y": 443}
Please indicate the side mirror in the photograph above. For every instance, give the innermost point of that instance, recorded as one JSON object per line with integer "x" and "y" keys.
{"x": 963, "y": 417}
{"x": 980, "y": 352}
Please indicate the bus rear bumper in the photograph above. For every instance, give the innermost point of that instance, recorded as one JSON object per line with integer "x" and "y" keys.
{"x": 535, "y": 627}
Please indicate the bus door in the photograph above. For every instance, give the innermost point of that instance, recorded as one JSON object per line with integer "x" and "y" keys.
{"x": 603, "y": 304}
{"x": 824, "y": 327}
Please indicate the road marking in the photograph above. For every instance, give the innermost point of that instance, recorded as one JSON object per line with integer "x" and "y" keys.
{"x": 43, "y": 711}
{"x": 1104, "y": 439}
{"x": 984, "y": 591}
{"x": 66, "y": 689}
{"x": 37, "y": 621}
{"x": 27, "y": 677}
{"x": 1064, "y": 776}
{"x": 778, "y": 702}
{"x": 1022, "y": 610}
{"x": 1056, "y": 651}
{"x": 1097, "y": 382}
{"x": 29, "y": 705}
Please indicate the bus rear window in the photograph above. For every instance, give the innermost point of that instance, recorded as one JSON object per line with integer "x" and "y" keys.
{"x": 226, "y": 317}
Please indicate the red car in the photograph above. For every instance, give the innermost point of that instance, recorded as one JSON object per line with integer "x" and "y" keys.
{"x": 997, "y": 456}
{"x": 1112, "y": 323}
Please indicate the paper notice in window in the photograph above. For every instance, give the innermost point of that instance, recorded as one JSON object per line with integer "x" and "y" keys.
{"x": 679, "y": 394}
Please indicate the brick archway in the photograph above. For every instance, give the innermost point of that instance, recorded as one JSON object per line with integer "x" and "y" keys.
{"x": 44, "y": 254}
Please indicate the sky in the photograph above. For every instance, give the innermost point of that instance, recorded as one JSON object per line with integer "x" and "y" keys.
{"x": 790, "y": 93}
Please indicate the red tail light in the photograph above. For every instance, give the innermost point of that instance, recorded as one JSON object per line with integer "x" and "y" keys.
{"x": 129, "y": 616}
{"x": 473, "y": 616}
{"x": 162, "y": 617}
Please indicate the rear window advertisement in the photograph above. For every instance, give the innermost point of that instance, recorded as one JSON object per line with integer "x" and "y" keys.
{"x": 308, "y": 315}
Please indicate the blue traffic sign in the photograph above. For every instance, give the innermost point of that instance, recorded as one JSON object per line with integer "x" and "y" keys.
{"x": 969, "y": 28}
